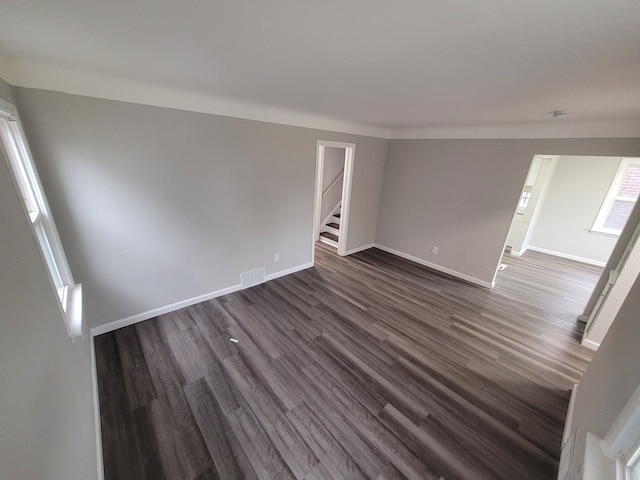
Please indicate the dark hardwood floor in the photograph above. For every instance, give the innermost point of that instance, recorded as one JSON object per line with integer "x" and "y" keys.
{"x": 367, "y": 366}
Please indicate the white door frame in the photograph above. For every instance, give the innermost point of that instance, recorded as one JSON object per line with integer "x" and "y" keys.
{"x": 350, "y": 149}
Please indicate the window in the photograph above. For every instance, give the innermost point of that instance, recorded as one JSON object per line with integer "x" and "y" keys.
{"x": 16, "y": 152}
{"x": 620, "y": 199}
{"x": 633, "y": 466}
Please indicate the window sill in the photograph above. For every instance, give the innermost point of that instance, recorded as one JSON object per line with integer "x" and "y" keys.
{"x": 606, "y": 233}
{"x": 73, "y": 311}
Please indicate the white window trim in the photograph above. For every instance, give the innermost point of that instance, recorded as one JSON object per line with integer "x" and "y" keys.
{"x": 18, "y": 157}
{"x": 609, "y": 459}
{"x": 598, "y": 224}
{"x": 622, "y": 443}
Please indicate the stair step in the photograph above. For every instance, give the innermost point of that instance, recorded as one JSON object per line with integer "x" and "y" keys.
{"x": 337, "y": 215}
{"x": 334, "y": 225}
{"x": 330, "y": 236}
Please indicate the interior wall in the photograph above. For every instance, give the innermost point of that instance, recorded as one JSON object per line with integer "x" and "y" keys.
{"x": 333, "y": 165}
{"x": 334, "y": 161}
{"x": 610, "y": 379}
{"x": 461, "y": 195}
{"x": 157, "y": 206}
{"x": 577, "y": 190}
{"x": 46, "y": 404}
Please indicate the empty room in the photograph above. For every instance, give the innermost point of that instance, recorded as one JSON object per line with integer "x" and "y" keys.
{"x": 319, "y": 240}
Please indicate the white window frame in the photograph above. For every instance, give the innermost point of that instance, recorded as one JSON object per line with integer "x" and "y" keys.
{"x": 14, "y": 148}
{"x": 622, "y": 443}
{"x": 612, "y": 196}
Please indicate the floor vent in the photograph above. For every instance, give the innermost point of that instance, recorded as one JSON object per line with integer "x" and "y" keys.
{"x": 252, "y": 277}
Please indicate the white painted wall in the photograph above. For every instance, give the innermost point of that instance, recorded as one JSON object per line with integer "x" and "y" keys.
{"x": 334, "y": 159}
{"x": 611, "y": 378}
{"x": 158, "y": 206}
{"x": 333, "y": 165}
{"x": 578, "y": 188}
{"x": 46, "y": 404}
{"x": 461, "y": 195}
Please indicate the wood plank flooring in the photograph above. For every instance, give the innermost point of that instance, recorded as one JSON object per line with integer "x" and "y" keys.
{"x": 364, "y": 367}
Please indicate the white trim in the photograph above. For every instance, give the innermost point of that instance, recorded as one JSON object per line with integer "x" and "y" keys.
{"x": 288, "y": 271}
{"x": 96, "y": 410}
{"x": 360, "y": 249}
{"x": 568, "y": 423}
{"x": 550, "y": 129}
{"x": 345, "y": 209}
{"x": 347, "y": 179}
{"x": 611, "y": 197}
{"x": 46, "y": 76}
{"x": 15, "y": 149}
{"x": 589, "y": 344}
{"x": 317, "y": 201}
{"x": 625, "y": 431}
{"x": 589, "y": 261}
{"x": 513, "y": 253}
{"x": 141, "y": 317}
{"x": 567, "y": 445}
{"x": 434, "y": 266}
{"x": 583, "y": 318}
{"x": 81, "y": 82}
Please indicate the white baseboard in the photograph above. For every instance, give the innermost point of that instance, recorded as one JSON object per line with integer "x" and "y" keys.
{"x": 288, "y": 271}
{"x": 140, "y": 317}
{"x": 360, "y": 249}
{"x": 590, "y": 344}
{"x": 96, "y": 411}
{"x": 583, "y": 318}
{"x": 568, "y": 256}
{"x": 439, "y": 268}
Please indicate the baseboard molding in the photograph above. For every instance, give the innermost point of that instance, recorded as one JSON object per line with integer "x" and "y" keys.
{"x": 434, "y": 266}
{"x": 141, "y": 317}
{"x": 583, "y": 318}
{"x": 590, "y": 344}
{"x": 288, "y": 271}
{"x": 588, "y": 261}
{"x": 96, "y": 411}
{"x": 360, "y": 249}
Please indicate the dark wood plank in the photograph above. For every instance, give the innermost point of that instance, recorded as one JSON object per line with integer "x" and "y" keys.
{"x": 367, "y": 366}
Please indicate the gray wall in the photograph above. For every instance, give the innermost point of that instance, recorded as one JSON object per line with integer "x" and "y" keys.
{"x": 333, "y": 165}
{"x": 461, "y": 195}
{"x": 156, "y": 206}
{"x": 46, "y": 404}
{"x": 578, "y": 188}
{"x": 611, "y": 378}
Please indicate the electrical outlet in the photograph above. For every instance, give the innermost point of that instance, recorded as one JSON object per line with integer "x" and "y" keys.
{"x": 434, "y": 250}
{"x": 276, "y": 257}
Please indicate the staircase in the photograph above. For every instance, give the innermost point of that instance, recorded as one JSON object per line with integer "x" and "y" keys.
{"x": 330, "y": 231}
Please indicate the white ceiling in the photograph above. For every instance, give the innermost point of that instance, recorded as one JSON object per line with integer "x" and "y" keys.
{"x": 396, "y": 64}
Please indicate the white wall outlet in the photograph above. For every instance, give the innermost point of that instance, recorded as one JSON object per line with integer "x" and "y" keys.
{"x": 434, "y": 250}
{"x": 276, "y": 257}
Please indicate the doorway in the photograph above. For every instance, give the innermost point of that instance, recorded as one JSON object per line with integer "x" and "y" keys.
{"x": 333, "y": 192}
{"x": 582, "y": 209}
{"x": 530, "y": 203}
